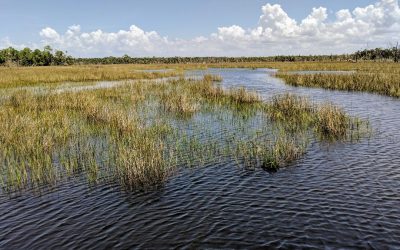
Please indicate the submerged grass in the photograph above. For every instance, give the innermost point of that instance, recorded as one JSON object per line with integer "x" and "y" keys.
{"x": 130, "y": 134}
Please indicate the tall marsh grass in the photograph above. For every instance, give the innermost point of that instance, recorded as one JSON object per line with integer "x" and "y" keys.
{"x": 381, "y": 83}
{"x": 327, "y": 120}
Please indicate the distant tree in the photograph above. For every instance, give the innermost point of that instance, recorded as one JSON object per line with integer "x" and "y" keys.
{"x": 2, "y": 59}
{"x": 25, "y": 57}
{"x": 59, "y": 58}
{"x": 37, "y": 58}
{"x": 11, "y": 54}
{"x": 396, "y": 52}
{"x": 47, "y": 56}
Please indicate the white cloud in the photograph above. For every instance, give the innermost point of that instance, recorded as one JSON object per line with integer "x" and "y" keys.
{"x": 50, "y": 34}
{"x": 232, "y": 32}
{"x": 276, "y": 22}
{"x": 276, "y": 33}
{"x": 6, "y": 42}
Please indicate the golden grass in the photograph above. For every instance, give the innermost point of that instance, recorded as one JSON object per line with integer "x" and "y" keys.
{"x": 362, "y": 66}
{"x": 376, "y": 77}
{"x": 28, "y": 76}
{"x": 380, "y": 83}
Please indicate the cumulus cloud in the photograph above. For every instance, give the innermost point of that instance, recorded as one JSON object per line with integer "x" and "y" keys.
{"x": 6, "y": 42}
{"x": 276, "y": 33}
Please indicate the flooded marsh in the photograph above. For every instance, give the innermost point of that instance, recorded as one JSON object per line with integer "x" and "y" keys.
{"x": 225, "y": 157}
{"x": 131, "y": 134}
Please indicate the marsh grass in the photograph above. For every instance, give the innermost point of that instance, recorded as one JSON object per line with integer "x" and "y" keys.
{"x": 290, "y": 109}
{"x": 381, "y": 83}
{"x": 212, "y": 78}
{"x": 375, "y": 77}
{"x": 179, "y": 104}
{"x": 327, "y": 120}
{"x": 271, "y": 155}
{"x": 332, "y": 121}
{"x": 242, "y": 96}
{"x": 12, "y": 77}
{"x": 132, "y": 134}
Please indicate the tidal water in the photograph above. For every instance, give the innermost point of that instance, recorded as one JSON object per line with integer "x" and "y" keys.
{"x": 340, "y": 195}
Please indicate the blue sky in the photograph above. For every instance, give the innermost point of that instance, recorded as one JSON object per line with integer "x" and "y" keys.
{"x": 24, "y": 21}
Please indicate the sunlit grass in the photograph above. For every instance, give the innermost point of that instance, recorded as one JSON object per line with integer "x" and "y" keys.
{"x": 376, "y": 82}
{"x": 377, "y": 77}
{"x": 32, "y": 76}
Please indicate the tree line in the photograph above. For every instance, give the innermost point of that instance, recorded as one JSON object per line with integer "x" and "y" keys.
{"x": 48, "y": 56}
{"x": 392, "y": 54}
{"x": 28, "y": 57}
{"x": 177, "y": 60}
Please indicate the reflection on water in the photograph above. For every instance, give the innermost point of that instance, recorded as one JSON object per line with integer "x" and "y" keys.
{"x": 338, "y": 196}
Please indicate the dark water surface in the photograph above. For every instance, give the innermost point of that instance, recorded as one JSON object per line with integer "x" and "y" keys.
{"x": 343, "y": 195}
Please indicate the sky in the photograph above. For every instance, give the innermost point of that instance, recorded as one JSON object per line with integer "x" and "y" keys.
{"x": 96, "y": 28}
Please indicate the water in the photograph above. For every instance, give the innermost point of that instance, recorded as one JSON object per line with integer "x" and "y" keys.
{"x": 341, "y": 195}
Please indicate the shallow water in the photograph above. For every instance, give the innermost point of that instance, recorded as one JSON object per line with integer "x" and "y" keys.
{"x": 339, "y": 195}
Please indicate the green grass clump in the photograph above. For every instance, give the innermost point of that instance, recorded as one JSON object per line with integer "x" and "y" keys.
{"x": 290, "y": 107}
{"x": 271, "y": 155}
{"x": 243, "y": 96}
{"x": 140, "y": 161}
{"x": 298, "y": 113}
{"x": 212, "y": 78}
{"x": 179, "y": 103}
{"x": 332, "y": 121}
{"x": 284, "y": 151}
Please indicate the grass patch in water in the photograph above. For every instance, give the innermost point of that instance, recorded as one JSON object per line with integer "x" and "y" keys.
{"x": 327, "y": 120}
{"x": 130, "y": 134}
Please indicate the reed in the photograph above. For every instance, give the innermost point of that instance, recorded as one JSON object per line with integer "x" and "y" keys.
{"x": 243, "y": 96}
{"x": 140, "y": 162}
{"x": 212, "y": 78}
{"x": 298, "y": 113}
{"x": 289, "y": 107}
{"x": 332, "y": 121}
{"x": 284, "y": 151}
{"x": 179, "y": 103}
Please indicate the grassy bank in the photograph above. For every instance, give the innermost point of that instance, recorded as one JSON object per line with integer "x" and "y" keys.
{"x": 381, "y": 83}
{"x": 28, "y": 76}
